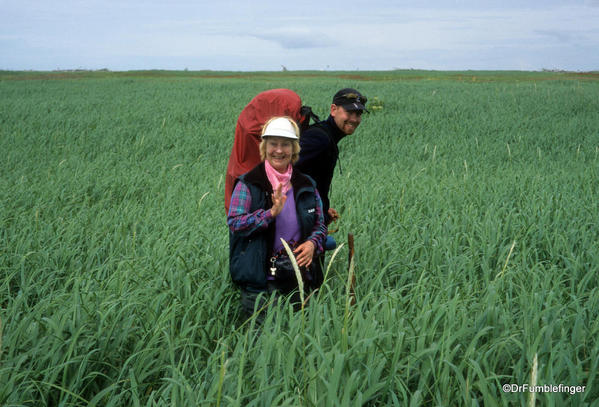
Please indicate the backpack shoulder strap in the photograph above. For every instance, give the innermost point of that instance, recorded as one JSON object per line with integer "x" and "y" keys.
{"x": 306, "y": 114}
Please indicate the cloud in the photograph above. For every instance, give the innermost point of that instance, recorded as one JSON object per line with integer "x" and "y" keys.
{"x": 560, "y": 36}
{"x": 296, "y": 38}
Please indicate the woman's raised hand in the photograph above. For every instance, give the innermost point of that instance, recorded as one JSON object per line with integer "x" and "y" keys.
{"x": 278, "y": 201}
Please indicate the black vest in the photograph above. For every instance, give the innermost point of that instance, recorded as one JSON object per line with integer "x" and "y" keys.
{"x": 249, "y": 252}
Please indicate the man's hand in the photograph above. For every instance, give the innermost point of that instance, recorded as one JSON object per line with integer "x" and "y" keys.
{"x": 333, "y": 214}
{"x": 304, "y": 253}
{"x": 278, "y": 201}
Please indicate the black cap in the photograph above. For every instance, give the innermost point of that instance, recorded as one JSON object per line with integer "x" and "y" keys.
{"x": 350, "y": 99}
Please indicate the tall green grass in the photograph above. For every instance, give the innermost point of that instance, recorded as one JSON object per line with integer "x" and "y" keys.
{"x": 472, "y": 203}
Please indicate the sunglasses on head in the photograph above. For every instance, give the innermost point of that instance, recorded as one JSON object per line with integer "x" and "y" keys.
{"x": 355, "y": 97}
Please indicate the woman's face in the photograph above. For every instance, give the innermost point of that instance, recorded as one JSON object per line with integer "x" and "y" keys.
{"x": 278, "y": 152}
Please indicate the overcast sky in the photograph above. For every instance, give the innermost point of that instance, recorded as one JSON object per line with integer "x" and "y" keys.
{"x": 248, "y": 35}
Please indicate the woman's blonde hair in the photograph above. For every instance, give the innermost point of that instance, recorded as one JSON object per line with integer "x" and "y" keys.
{"x": 294, "y": 143}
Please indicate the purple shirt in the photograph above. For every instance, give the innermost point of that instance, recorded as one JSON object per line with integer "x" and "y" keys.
{"x": 287, "y": 226}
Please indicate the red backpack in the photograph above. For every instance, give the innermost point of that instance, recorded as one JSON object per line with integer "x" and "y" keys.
{"x": 245, "y": 154}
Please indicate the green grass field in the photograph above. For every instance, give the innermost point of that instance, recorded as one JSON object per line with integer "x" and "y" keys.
{"x": 472, "y": 197}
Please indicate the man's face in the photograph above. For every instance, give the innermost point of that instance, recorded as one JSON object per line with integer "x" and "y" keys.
{"x": 347, "y": 122}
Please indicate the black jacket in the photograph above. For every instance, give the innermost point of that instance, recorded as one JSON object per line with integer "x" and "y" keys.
{"x": 318, "y": 156}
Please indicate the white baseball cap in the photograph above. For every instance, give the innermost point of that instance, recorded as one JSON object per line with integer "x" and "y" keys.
{"x": 280, "y": 127}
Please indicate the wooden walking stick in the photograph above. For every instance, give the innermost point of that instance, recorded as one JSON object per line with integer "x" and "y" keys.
{"x": 351, "y": 275}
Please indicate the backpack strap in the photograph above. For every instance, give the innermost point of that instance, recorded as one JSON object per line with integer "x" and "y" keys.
{"x": 306, "y": 114}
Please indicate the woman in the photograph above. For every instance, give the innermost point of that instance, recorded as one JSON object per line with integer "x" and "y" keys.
{"x": 270, "y": 202}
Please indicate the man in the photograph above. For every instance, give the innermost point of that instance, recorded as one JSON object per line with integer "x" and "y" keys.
{"x": 319, "y": 152}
